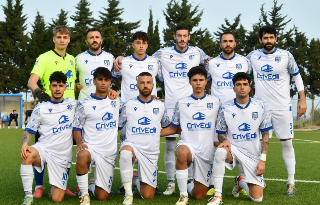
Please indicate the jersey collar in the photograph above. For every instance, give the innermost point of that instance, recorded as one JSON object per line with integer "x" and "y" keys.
{"x": 239, "y": 106}
{"x": 227, "y": 58}
{"x": 145, "y": 102}
{"x": 175, "y": 48}
{"x": 92, "y": 54}
{"x": 137, "y": 59}
{"x": 94, "y": 97}
{"x": 275, "y": 49}
{"x": 54, "y": 102}
{"x": 195, "y": 98}
{"x": 59, "y": 54}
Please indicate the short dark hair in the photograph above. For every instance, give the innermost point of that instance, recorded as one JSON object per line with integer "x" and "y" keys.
{"x": 58, "y": 76}
{"x": 144, "y": 74}
{"x": 228, "y": 32}
{"x": 102, "y": 71}
{"x": 241, "y": 76}
{"x": 181, "y": 27}
{"x": 92, "y": 29}
{"x": 197, "y": 70}
{"x": 267, "y": 29}
{"x": 14, "y": 110}
{"x": 140, "y": 35}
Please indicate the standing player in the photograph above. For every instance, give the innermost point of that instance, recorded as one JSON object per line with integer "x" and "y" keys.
{"x": 96, "y": 131}
{"x": 144, "y": 116}
{"x": 239, "y": 124}
{"x": 47, "y": 63}
{"x": 53, "y": 120}
{"x": 272, "y": 68}
{"x": 196, "y": 115}
{"x": 222, "y": 68}
{"x": 176, "y": 61}
{"x": 88, "y": 61}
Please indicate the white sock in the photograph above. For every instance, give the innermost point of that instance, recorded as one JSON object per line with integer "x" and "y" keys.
{"x": 82, "y": 181}
{"x": 219, "y": 169}
{"x": 38, "y": 186}
{"x": 26, "y": 172}
{"x": 182, "y": 179}
{"x": 243, "y": 185}
{"x": 137, "y": 184}
{"x": 92, "y": 188}
{"x": 190, "y": 171}
{"x": 289, "y": 159}
{"x": 211, "y": 181}
{"x": 256, "y": 200}
{"x": 126, "y": 170}
{"x": 169, "y": 159}
{"x": 128, "y": 188}
{"x": 190, "y": 187}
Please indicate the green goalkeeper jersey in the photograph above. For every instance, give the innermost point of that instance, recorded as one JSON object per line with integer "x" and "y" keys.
{"x": 51, "y": 61}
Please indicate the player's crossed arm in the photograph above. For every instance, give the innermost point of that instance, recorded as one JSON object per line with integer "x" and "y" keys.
{"x": 224, "y": 142}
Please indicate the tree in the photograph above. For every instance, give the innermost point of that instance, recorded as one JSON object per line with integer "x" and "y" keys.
{"x": 206, "y": 43}
{"x": 153, "y": 35}
{"x": 61, "y": 20}
{"x": 82, "y": 21}
{"x": 13, "y": 43}
{"x": 117, "y": 34}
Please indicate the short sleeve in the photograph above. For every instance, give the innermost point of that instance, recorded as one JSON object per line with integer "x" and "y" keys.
{"x": 79, "y": 117}
{"x": 123, "y": 116}
{"x": 176, "y": 116}
{"x": 221, "y": 125}
{"x": 34, "y": 122}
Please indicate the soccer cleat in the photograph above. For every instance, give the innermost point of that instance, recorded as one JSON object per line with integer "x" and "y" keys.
{"x": 215, "y": 200}
{"x": 291, "y": 190}
{"x": 121, "y": 190}
{"x": 158, "y": 192}
{"x": 69, "y": 193}
{"x": 85, "y": 200}
{"x": 243, "y": 192}
{"x": 28, "y": 200}
{"x": 236, "y": 189}
{"x": 183, "y": 200}
{"x": 171, "y": 188}
{"x": 211, "y": 190}
{"x": 128, "y": 199}
{"x": 78, "y": 191}
{"x": 38, "y": 192}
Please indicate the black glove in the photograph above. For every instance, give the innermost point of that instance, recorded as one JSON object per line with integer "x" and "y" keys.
{"x": 41, "y": 95}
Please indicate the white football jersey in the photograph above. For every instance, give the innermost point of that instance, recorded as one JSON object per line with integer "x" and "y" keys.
{"x": 86, "y": 64}
{"x": 98, "y": 118}
{"x": 143, "y": 124}
{"x": 242, "y": 125}
{"x": 272, "y": 77}
{"x": 175, "y": 68}
{"x": 222, "y": 71}
{"x": 131, "y": 67}
{"x": 197, "y": 118}
{"x": 54, "y": 122}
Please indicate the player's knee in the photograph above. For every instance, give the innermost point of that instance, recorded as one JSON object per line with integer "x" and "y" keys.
{"x": 83, "y": 156}
{"x": 182, "y": 155}
{"x": 147, "y": 195}
{"x": 200, "y": 196}
{"x": 102, "y": 197}
{"x": 57, "y": 199}
{"x": 220, "y": 155}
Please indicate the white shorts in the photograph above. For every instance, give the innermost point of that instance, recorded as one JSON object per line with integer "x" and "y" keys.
{"x": 282, "y": 122}
{"x": 58, "y": 174}
{"x": 201, "y": 169}
{"x": 170, "y": 115}
{"x": 103, "y": 174}
{"x": 147, "y": 168}
{"x": 249, "y": 166}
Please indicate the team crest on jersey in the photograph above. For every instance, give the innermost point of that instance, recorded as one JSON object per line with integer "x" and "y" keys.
{"x": 130, "y": 65}
{"x": 155, "y": 111}
{"x": 69, "y": 107}
{"x": 94, "y": 107}
{"x": 135, "y": 108}
{"x": 56, "y": 62}
{"x": 218, "y": 65}
{"x": 171, "y": 56}
{"x": 72, "y": 64}
{"x": 277, "y": 59}
{"x": 114, "y": 103}
{"x": 191, "y": 57}
{"x": 209, "y": 106}
{"x": 254, "y": 115}
{"x": 238, "y": 66}
{"x": 86, "y": 61}
{"x": 106, "y": 62}
{"x": 50, "y": 110}
{"x": 188, "y": 104}
{"x": 150, "y": 67}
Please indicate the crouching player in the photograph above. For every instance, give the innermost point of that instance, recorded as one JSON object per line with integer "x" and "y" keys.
{"x": 144, "y": 116}
{"x": 239, "y": 124}
{"x": 196, "y": 115}
{"x": 95, "y": 132}
{"x": 53, "y": 120}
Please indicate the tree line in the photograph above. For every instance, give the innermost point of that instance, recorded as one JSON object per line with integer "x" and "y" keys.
{"x": 19, "y": 48}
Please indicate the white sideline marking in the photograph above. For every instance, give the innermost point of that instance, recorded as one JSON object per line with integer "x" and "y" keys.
{"x": 267, "y": 179}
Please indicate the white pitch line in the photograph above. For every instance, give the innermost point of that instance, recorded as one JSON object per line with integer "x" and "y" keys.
{"x": 266, "y": 179}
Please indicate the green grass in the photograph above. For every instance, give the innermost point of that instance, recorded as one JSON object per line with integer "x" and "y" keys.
{"x": 307, "y": 156}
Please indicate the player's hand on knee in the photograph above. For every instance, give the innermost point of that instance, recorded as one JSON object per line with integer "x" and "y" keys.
{"x": 260, "y": 169}
{"x": 226, "y": 145}
{"x": 81, "y": 147}
{"x": 113, "y": 94}
{"x": 116, "y": 63}
{"x": 25, "y": 151}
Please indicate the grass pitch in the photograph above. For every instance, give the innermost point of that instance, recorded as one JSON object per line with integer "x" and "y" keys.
{"x": 307, "y": 150}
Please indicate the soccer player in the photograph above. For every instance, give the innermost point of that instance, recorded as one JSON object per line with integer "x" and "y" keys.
{"x": 53, "y": 120}
{"x": 96, "y": 132}
{"x": 239, "y": 124}
{"x": 88, "y": 61}
{"x": 196, "y": 115}
{"x": 221, "y": 69}
{"x": 272, "y": 68}
{"x": 47, "y": 63}
{"x": 176, "y": 61}
{"x": 144, "y": 116}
